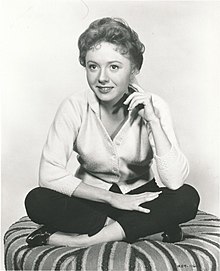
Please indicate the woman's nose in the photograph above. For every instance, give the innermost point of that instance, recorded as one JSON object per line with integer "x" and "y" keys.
{"x": 103, "y": 76}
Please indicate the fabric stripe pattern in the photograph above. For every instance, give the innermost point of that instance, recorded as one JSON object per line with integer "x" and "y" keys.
{"x": 199, "y": 250}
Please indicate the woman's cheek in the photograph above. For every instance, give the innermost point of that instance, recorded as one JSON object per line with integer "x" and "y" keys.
{"x": 91, "y": 77}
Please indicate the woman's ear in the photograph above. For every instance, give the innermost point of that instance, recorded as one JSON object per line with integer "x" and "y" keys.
{"x": 133, "y": 74}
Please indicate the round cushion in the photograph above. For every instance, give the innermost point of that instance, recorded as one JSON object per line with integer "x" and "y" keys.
{"x": 198, "y": 251}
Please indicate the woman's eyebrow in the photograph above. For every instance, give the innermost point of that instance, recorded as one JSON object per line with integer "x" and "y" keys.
{"x": 115, "y": 61}
{"x": 109, "y": 62}
{"x": 91, "y": 61}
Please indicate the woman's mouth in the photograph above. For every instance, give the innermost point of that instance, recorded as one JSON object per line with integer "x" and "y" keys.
{"x": 104, "y": 89}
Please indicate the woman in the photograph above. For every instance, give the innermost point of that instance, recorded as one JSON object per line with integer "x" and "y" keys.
{"x": 117, "y": 129}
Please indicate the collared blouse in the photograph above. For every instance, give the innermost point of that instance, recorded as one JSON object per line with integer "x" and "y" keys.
{"x": 126, "y": 159}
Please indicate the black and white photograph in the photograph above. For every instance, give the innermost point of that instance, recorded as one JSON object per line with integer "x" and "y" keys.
{"x": 110, "y": 135}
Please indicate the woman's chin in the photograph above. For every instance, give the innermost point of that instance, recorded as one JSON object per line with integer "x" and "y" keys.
{"x": 105, "y": 97}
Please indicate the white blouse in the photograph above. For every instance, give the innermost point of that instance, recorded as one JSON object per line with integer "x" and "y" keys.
{"x": 125, "y": 160}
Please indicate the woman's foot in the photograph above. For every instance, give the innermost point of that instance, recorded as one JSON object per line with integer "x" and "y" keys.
{"x": 44, "y": 236}
{"x": 39, "y": 237}
{"x": 111, "y": 232}
{"x": 69, "y": 240}
{"x": 174, "y": 235}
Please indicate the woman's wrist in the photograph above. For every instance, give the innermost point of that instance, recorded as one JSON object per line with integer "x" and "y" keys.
{"x": 89, "y": 192}
{"x": 111, "y": 198}
{"x": 161, "y": 141}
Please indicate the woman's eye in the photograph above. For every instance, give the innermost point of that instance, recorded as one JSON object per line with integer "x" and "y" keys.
{"x": 114, "y": 67}
{"x": 92, "y": 67}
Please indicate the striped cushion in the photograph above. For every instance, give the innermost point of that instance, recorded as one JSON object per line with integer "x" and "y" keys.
{"x": 199, "y": 251}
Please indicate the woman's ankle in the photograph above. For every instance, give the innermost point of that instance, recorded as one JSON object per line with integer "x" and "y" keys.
{"x": 64, "y": 239}
{"x": 112, "y": 232}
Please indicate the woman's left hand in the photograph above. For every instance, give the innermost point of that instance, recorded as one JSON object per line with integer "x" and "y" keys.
{"x": 144, "y": 100}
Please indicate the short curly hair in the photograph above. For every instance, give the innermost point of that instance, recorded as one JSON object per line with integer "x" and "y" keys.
{"x": 115, "y": 31}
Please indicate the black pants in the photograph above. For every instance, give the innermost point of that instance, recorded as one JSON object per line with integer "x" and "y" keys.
{"x": 75, "y": 215}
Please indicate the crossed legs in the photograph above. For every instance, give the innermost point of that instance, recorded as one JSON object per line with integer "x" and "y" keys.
{"x": 81, "y": 223}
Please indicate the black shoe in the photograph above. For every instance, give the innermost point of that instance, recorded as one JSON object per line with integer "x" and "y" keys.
{"x": 39, "y": 237}
{"x": 176, "y": 235}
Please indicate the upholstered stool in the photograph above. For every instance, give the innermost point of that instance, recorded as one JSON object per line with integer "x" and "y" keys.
{"x": 199, "y": 251}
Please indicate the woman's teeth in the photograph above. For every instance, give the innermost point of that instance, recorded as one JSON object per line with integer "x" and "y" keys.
{"x": 105, "y": 89}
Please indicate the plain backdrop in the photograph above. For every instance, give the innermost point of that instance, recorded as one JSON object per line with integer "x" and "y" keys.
{"x": 39, "y": 68}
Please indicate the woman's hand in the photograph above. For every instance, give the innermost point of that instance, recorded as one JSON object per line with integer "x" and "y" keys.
{"x": 133, "y": 202}
{"x": 143, "y": 103}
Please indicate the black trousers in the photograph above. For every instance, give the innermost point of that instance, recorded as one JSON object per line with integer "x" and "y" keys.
{"x": 76, "y": 215}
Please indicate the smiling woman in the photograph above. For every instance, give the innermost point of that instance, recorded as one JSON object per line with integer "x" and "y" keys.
{"x": 117, "y": 129}
{"x": 108, "y": 72}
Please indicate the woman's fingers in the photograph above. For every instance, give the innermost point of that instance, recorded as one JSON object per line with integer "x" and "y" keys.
{"x": 143, "y": 210}
{"x": 132, "y": 96}
{"x": 149, "y": 194}
{"x": 148, "y": 197}
{"x": 145, "y": 197}
{"x": 138, "y": 98}
{"x": 136, "y": 87}
{"x": 133, "y": 202}
{"x": 135, "y": 102}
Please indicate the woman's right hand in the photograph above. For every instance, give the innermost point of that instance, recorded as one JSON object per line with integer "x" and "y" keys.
{"x": 133, "y": 202}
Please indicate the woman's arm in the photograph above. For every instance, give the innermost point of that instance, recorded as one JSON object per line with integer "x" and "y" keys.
{"x": 120, "y": 201}
{"x": 162, "y": 142}
{"x": 172, "y": 165}
{"x": 58, "y": 149}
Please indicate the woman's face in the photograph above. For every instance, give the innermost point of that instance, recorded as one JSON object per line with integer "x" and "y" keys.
{"x": 108, "y": 72}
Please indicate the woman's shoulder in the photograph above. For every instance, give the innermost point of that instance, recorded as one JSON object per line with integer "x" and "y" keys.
{"x": 158, "y": 99}
{"x": 77, "y": 100}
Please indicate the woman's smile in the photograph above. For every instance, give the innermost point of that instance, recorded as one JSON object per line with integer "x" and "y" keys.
{"x": 104, "y": 89}
{"x": 108, "y": 72}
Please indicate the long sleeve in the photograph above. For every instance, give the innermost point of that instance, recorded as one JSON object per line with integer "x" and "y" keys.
{"x": 173, "y": 167}
{"x": 58, "y": 148}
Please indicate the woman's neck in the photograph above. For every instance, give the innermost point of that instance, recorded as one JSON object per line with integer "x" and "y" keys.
{"x": 106, "y": 106}
{"x": 113, "y": 107}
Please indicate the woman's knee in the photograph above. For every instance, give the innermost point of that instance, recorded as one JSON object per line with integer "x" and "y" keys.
{"x": 37, "y": 202}
{"x": 188, "y": 199}
{"x": 190, "y": 194}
